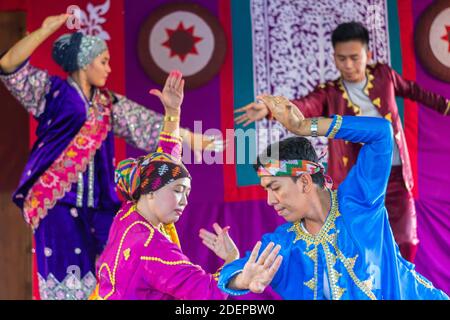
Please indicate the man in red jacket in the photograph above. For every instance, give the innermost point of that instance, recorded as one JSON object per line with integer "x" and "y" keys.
{"x": 365, "y": 90}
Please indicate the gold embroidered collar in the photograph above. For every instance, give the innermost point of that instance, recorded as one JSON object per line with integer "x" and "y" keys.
{"x": 323, "y": 235}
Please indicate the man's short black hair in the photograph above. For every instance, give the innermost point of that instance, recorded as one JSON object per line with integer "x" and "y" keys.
{"x": 294, "y": 148}
{"x": 350, "y": 31}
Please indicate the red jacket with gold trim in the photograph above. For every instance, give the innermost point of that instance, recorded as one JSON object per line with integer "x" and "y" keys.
{"x": 383, "y": 85}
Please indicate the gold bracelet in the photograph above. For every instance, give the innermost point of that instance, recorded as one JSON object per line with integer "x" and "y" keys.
{"x": 170, "y": 140}
{"x": 170, "y": 136}
{"x": 171, "y": 118}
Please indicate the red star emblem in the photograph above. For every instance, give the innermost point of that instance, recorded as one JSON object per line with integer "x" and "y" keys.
{"x": 446, "y": 36}
{"x": 181, "y": 41}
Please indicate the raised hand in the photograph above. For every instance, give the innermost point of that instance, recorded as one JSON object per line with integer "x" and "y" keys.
{"x": 24, "y": 48}
{"x": 53, "y": 23}
{"x": 259, "y": 272}
{"x": 252, "y": 112}
{"x": 220, "y": 243}
{"x": 172, "y": 94}
{"x": 285, "y": 112}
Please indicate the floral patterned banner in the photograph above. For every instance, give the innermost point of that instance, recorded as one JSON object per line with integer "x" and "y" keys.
{"x": 292, "y": 51}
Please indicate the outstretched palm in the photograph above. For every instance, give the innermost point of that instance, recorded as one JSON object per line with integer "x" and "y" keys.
{"x": 259, "y": 272}
{"x": 220, "y": 243}
{"x": 252, "y": 112}
{"x": 172, "y": 93}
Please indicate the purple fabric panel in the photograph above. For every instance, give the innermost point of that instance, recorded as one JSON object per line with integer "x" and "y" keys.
{"x": 432, "y": 259}
{"x": 433, "y": 205}
{"x": 64, "y": 115}
{"x": 85, "y": 229}
{"x": 199, "y": 104}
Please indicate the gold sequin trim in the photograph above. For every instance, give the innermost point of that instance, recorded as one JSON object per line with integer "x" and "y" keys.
{"x": 448, "y": 108}
{"x": 377, "y": 102}
{"x": 126, "y": 254}
{"x": 169, "y": 263}
{"x": 333, "y": 275}
{"x": 421, "y": 281}
{"x": 311, "y": 283}
{"x": 321, "y": 237}
{"x": 336, "y": 128}
{"x": 339, "y": 292}
{"x": 328, "y": 241}
{"x": 323, "y": 233}
{"x": 345, "y": 160}
{"x": 369, "y": 84}
{"x": 164, "y": 232}
{"x": 369, "y": 283}
{"x": 349, "y": 264}
{"x": 388, "y": 117}
{"x": 312, "y": 254}
{"x": 112, "y": 275}
{"x": 128, "y": 213}
{"x": 356, "y": 109}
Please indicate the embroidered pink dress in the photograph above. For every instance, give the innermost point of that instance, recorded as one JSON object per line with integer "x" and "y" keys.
{"x": 140, "y": 262}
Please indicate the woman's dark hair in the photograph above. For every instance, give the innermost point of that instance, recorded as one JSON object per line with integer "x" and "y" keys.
{"x": 65, "y": 51}
{"x": 350, "y": 31}
{"x": 294, "y": 148}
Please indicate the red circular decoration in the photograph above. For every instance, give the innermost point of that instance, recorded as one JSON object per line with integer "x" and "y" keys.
{"x": 432, "y": 31}
{"x": 183, "y": 36}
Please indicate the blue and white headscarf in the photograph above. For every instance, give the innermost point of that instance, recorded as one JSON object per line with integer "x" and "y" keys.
{"x": 73, "y": 51}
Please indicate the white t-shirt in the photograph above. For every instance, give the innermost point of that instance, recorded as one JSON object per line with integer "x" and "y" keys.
{"x": 356, "y": 94}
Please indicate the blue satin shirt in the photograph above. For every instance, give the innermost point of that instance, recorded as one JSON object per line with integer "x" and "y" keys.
{"x": 354, "y": 256}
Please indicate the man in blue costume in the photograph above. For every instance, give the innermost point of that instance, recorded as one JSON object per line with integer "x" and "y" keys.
{"x": 335, "y": 244}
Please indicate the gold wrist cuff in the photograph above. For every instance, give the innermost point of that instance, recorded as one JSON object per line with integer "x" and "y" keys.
{"x": 171, "y": 118}
{"x": 336, "y": 127}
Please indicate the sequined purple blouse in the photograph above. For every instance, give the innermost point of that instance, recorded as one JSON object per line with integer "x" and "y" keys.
{"x": 60, "y": 108}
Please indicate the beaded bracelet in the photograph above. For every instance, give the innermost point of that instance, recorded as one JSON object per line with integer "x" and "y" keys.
{"x": 170, "y": 136}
